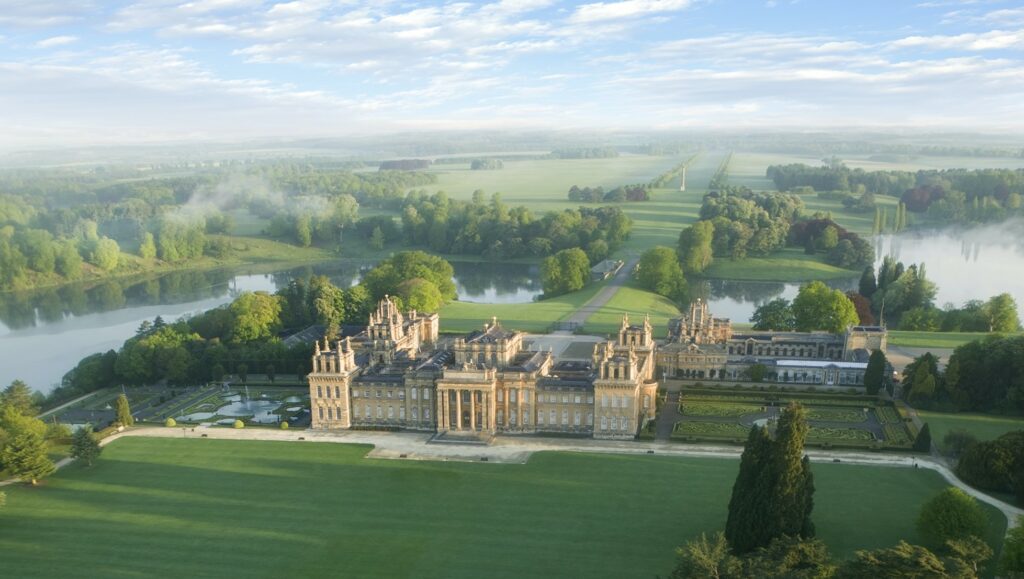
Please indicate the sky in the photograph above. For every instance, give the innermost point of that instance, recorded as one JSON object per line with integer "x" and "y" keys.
{"x": 76, "y": 72}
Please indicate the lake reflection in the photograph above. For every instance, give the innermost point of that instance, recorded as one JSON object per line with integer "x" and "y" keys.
{"x": 44, "y": 333}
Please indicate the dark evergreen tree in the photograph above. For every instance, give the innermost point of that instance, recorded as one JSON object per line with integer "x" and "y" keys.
{"x": 867, "y": 285}
{"x": 124, "y": 411}
{"x": 746, "y": 528}
{"x": 793, "y": 493}
{"x": 85, "y": 446}
{"x": 874, "y": 374}
{"x": 923, "y": 442}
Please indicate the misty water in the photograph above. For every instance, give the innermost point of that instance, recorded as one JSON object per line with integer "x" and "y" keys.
{"x": 44, "y": 333}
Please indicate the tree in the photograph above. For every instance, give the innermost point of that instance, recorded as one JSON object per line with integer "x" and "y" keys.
{"x": 377, "y": 238}
{"x": 147, "y": 249}
{"x": 566, "y": 271}
{"x": 706, "y": 557}
{"x": 862, "y": 306}
{"x": 257, "y": 315}
{"x": 25, "y": 458}
{"x": 69, "y": 261}
{"x": 406, "y": 265}
{"x": 756, "y": 372}
{"x": 817, "y": 307}
{"x": 904, "y": 561}
{"x": 971, "y": 550}
{"x": 123, "y": 411}
{"x": 695, "y": 250}
{"x": 18, "y": 396}
{"x": 923, "y": 441}
{"x": 950, "y": 515}
{"x": 271, "y": 374}
{"x": 788, "y": 558}
{"x": 659, "y": 272}
{"x": 745, "y": 527}
{"x": 1011, "y": 565}
{"x": 793, "y": 491}
{"x": 243, "y": 372}
{"x": 1001, "y": 314}
{"x": 105, "y": 254}
{"x": 874, "y": 374}
{"x": 420, "y": 295}
{"x": 775, "y": 315}
{"x": 85, "y": 446}
{"x": 958, "y": 441}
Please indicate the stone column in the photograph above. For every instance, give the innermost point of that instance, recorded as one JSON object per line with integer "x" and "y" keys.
{"x": 472, "y": 410}
{"x": 458, "y": 408}
{"x": 508, "y": 392}
{"x": 519, "y": 408}
{"x": 439, "y": 417}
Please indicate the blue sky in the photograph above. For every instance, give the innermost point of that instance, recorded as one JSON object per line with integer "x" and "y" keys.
{"x": 150, "y": 70}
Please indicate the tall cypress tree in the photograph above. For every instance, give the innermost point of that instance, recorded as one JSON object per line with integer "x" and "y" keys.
{"x": 746, "y": 529}
{"x": 791, "y": 496}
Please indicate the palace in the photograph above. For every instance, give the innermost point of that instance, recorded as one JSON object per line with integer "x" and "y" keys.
{"x": 706, "y": 348}
{"x": 396, "y": 373}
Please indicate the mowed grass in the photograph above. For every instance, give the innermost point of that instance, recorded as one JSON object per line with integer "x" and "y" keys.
{"x": 206, "y": 508}
{"x": 636, "y": 302}
{"x": 933, "y": 339}
{"x": 982, "y": 426}
{"x": 787, "y": 265}
{"x": 461, "y": 317}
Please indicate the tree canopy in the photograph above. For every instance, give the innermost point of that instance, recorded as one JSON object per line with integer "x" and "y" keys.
{"x": 818, "y": 307}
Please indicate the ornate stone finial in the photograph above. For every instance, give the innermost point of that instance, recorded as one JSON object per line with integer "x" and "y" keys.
{"x": 494, "y": 321}
{"x": 317, "y": 347}
{"x": 348, "y": 343}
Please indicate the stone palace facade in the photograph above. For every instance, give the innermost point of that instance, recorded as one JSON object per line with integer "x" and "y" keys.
{"x": 397, "y": 374}
{"x": 702, "y": 347}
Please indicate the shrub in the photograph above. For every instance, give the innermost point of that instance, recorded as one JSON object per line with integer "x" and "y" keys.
{"x": 951, "y": 514}
{"x": 284, "y": 425}
{"x": 170, "y": 423}
{"x": 239, "y": 424}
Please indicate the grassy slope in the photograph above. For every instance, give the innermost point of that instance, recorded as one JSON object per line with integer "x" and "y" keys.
{"x": 169, "y": 507}
{"x": 933, "y": 339}
{"x": 532, "y": 317}
{"x": 788, "y": 265}
{"x": 636, "y": 302}
{"x": 983, "y": 426}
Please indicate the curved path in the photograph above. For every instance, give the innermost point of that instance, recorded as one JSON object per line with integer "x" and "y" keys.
{"x": 510, "y": 449}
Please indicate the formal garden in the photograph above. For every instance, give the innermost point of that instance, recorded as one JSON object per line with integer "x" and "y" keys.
{"x": 836, "y": 420}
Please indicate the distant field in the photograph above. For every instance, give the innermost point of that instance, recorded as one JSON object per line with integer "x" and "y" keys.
{"x": 215, "y": 508}
{"x": 933, "y": 339}
{"x": 460, "y": 317}
{"x": 636, "y": 302}
{"x": 788, "y": 265}
{"x": 983, "y": 426}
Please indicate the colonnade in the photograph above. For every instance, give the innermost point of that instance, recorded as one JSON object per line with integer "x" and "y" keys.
{"x": 482, "y": 406}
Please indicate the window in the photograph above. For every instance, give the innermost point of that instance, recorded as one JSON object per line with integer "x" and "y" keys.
{"x": 590, "y": 398}
{"x": 576, "y": 418}
{"x": 415, "y": 412}
{"x": 554, "y": 417}
{"x": 321, "y": 413}
{"x": 565, "y": 418}
{"x": 426, "y": 394}
{"x": 337, "y": 412}
{"x": 401, "y": 412}
{"x": 615, "y": 401}
{"x": 367, "y": 414}
{"x": 355, "y": 394}
{"x": 577, "y": 399}
{"x": 625, "y": 401}
{"x": 337, "y": 391}
{"x": 526, "y": 396}
{"x": 604, "y": 423}
{"x": 647, "y": 401}
{"x": 391, "y": 412}
{"x": 604, "y": 401}
{"x": 512, "y": 417}
{"x": 501, "y": 416}
{"x": 380, "y": 411}
{"x": 590, "y": 418}
{"x": 615, "y": 423}
{"x": 378, "y": 393}
{"x": 565, "y": 398}
{"x": 426, "y": 414}
{"x": 366, "y": 393}
{"x": 540, "y": 418}
{"x": 625, "y": 424}
{"x": 389, "y": 393}
{"x": 415, "y": 393}
{"x": 501, "y": 395}
{"x": 526, "y": 418}
{"x": 319, "y": 392}
{"x": 512, "y": 395}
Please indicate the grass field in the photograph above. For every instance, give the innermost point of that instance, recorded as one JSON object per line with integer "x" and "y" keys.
{"x": 982, "y": 426}
{"x": 636, "y": 302}
{"x": 460, "y": 317}
{"x": 205, "y": 508}
{"x": 933, "y": 339}
{"x": 788, "y": 265}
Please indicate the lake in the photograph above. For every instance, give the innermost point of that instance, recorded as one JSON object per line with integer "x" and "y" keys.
{"x": 44, "y": 333}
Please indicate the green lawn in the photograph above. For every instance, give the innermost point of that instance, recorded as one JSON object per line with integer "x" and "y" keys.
{"x": 205, "y": 508}
{"x": 933, "y": 339}
{"x": 636, "y": 302}
{"x": 460, "y": 317}
{"x": 788, "y": 265}
{"x": 983, "y": 426}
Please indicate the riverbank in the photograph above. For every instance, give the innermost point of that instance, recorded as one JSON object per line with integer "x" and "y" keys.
{"x": 787, "y": 265}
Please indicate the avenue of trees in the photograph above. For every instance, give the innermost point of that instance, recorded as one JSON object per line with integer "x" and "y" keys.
{"x": 620, "y": 194}
{"x": 816, "y": 307}
{"x": 497, "y": 231}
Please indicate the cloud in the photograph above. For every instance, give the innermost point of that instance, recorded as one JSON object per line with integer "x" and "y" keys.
{"x": 625, "y": 9}
{"x": 42, "y": 13}
{"x": 56, "y": 41}
{"x": 992, "y": 40}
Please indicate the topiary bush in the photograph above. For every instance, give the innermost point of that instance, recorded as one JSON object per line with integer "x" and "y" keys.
{"x": 239, "y": 424}
{"x": 170, "y": 423}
